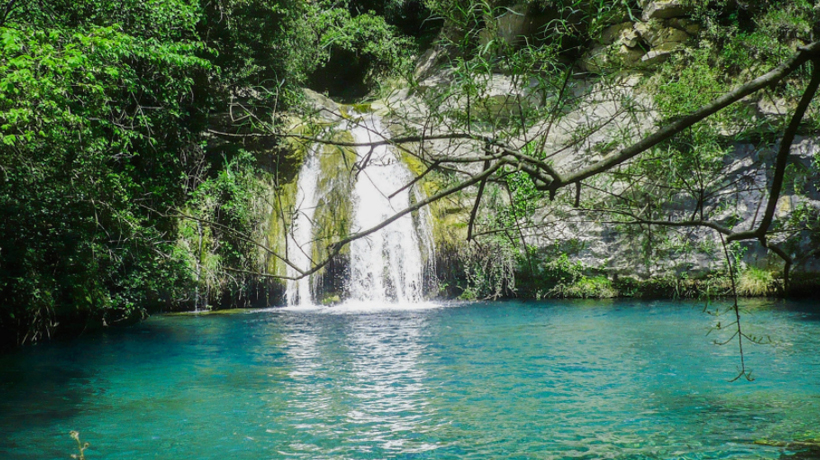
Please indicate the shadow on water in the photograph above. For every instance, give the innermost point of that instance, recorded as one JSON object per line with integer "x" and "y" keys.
{"x": 810, "y": 310}
{"x": 48, "y": 382}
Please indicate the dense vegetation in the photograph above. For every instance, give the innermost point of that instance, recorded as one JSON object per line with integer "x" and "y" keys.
{"x": 120, "y": 194}
{"x": 104, "y": 108}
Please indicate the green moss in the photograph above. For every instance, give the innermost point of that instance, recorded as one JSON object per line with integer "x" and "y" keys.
{"x": 360, "y": 108}
{"x": 331, "y": 300}
{"x": 334, "y": 210}
{"x": 281, "y": 199}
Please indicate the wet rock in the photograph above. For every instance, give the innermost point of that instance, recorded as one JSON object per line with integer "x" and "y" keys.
{"x": 602, "y": 57}
{"x": 322, "y": 106}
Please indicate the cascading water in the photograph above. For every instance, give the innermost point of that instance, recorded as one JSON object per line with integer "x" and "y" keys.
{"x": 300, "y": 237}
{"x": 388, "y": 264}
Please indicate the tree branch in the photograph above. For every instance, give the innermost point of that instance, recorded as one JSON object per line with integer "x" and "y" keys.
{"x": 475, "y": 179}
{"x": 782, "y": 158}
{"x": 799, "y": 58}
{"x": 474, "y": 211}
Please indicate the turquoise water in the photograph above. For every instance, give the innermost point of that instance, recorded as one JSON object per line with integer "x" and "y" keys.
{"x": 580, "y": 380}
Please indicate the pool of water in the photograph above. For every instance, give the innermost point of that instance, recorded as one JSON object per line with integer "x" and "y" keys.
{"x": 547, "y": 380}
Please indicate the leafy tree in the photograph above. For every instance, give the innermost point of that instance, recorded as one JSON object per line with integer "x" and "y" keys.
{"x": 99, "y": 119}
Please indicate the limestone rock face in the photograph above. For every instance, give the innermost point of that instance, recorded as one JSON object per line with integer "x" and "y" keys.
{"x": 602, "y": 245}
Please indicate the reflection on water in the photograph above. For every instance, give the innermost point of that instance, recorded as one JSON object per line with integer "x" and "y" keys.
{"x": 387, "y": 380}
{"x": 620, "y": 380}
{"x": 378, "y": 403}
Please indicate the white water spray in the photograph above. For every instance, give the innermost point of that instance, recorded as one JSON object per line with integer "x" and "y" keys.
{"x": 387, "y": 265}
{"x": 300, "y": 238}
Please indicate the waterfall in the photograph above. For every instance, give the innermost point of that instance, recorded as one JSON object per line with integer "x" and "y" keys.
{"x": 300, "y": 237}
{"x": 387, "y": 265}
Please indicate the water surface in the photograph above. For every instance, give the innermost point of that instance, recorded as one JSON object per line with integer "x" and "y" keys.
{"x": 549, "y": 380}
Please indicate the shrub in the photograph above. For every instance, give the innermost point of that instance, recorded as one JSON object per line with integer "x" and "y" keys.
{"x": 597, "y": 287}
{"x": 754, "y": 282}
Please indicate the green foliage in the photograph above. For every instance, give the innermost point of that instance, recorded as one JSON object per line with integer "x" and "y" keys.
{"x": 597, "y": 287}
{"x": 749, "y": 40}
{"x": 366, "y": 36}
{"x": 354, "y": 51}
{"x": 552, "y": 274}
{"x": 102, "y": 110}
{"x": 488, "y": 270}
{"x": 99, "y": 125}
{"x": 675, "y": 287}
{"x": 471, "y": 25}
{"x": 225, "y": 217}
{"x": 267, "y": 49}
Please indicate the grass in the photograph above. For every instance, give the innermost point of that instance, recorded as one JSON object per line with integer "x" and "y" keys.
{"x": 754, "y": 282}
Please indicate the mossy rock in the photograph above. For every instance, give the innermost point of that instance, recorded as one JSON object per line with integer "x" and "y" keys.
{"x": 361, "y": 107}
{"x": 331, "y": 300}
{"x": 232, "y": 311}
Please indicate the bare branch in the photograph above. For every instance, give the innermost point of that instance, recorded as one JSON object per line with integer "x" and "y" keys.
{"x": 474, "y": 211}
{"x": 799, "y": 58}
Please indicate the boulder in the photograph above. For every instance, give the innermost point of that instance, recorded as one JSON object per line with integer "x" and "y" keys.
{"x": 616, "y": 54}
{"x": 686, "y": 25}
{"x": 519, "y": 23}
{"x": 655, "y": 57}
{"x": 514, "y": 24}
{"x": 659, "y": 36}
{"x": 664, "y": 9}
{"x": 630, "y": 38}
{"x": 322, "y": 106}
{"x": 614, "y": 33}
